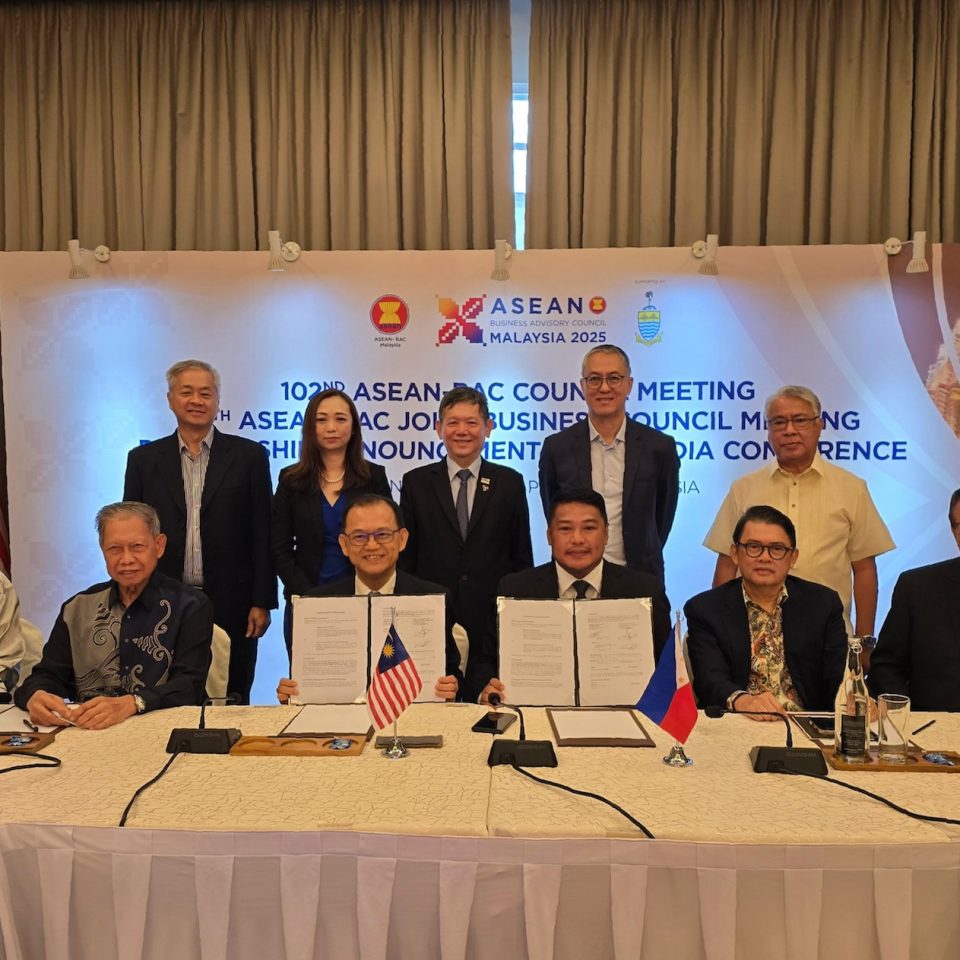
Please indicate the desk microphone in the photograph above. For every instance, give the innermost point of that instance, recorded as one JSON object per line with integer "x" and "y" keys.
{"x": 202, "y": 740}
{"x": 808, "y": 760}
{"x": 522, "y": 752}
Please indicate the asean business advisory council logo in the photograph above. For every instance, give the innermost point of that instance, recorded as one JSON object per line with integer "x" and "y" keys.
{"x": 648, "y": 323}
{"x": 460, "y": 320}
{"x": 389, "y": 314}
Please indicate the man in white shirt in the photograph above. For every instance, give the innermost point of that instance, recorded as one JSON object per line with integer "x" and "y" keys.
{"x": 634, "y": 468}
{"x": 839, "y": 531}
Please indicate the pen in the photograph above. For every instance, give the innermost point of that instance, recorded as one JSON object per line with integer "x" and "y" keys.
{"x": 32, "y": 726}
{"x": 929, "y": 723}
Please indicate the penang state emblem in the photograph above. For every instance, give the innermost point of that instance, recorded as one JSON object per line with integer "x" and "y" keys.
{"x": 648, "y": 323}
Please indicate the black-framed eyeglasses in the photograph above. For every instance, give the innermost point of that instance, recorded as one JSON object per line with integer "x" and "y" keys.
{"x": 596, "y": 380}
{"x": 798, "y": 423}
{"x": 777, "y": 551}
{"x": 359, "y": 538}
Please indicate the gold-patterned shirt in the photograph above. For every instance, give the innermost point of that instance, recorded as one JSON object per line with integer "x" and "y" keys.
{"x": 768, "y": 665}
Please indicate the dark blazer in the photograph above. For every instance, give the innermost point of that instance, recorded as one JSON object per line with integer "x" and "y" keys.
{"x": 651, "y": 485}
{"x": 409, "y": 586}
{"x": 814, "y": 642}
{"x": 497, "y": 543}
{"x": 296, "y": 531}
{"x": 234, "y": 520}
{"x": 617, "y": 583}
{"x": 918, "y": 651}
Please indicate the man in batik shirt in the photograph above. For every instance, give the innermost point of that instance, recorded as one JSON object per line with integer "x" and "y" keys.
{"x": 766, "y": 641}
{"x": 138, "y": 642}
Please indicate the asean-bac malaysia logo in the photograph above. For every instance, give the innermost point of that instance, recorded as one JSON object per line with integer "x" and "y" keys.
{"x": 389, "y": 314}
{"x": 461, "y": 321}
{"x": 648, "y": 323}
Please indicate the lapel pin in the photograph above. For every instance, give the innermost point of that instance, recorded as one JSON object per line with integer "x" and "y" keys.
{"x": 484, "y": 484}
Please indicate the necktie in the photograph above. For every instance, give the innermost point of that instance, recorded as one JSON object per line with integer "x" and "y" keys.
{"x": 463, "y": 514}
{"x": 581, "y": 587}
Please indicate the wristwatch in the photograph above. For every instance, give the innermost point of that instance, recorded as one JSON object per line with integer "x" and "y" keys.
{"x": 732, "y": 699}
{"x": 868, "y": 641}
{"x": 140, "y": 703}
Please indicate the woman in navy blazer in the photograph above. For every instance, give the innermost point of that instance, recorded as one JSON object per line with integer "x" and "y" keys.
{"x": 313, "y": 494}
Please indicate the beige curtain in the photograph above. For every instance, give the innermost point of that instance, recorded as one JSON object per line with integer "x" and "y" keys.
{"x": 766, "y": 121}
{"x": 345, "y": 124}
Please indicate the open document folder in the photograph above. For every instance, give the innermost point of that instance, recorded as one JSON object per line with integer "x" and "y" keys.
{"x": 337, "y": 640}
{"x": 575, "y": 652}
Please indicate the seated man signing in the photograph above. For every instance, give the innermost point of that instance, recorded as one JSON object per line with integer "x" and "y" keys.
{"x": 372, "y": 539}
{"x": 577, "y": 534}
{"x": 766, "y": 641}
{"x": 138, "y": 642}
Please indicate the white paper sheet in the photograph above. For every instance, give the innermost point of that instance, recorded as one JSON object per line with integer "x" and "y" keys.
{"x": 421, "y": 625}
{"x": 328, "y": 719}
{"x": 614, "y": 650}
{"x": 536, "y": 651}
{"x": 11, "y": 721}
{"x": 589, "y": 724}
{"x": 330, "y": 648}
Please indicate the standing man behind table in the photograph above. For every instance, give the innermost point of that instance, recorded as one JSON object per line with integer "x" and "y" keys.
{"x": 577, "y": 532}
{"x": 839, "y": 530}
{"x": 766, "y": 641}
{"x": 212, "y": 491}
{"x": 372, "y": 539}
{"x": 634, "y": 468}
{"x": 469, "y": 526}
{"x": 140, "y": 641}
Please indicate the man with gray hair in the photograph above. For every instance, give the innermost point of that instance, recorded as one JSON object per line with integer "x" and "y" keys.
{"x": 213, "y": 493}
{"x": 839, "y": 531}
{"x": 140, "y": 641}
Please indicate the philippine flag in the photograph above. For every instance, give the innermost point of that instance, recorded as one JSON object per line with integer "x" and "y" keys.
{"x": 668, "y": 700}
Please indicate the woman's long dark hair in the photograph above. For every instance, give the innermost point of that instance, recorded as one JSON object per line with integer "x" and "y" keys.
{"x": 305, "y": 475}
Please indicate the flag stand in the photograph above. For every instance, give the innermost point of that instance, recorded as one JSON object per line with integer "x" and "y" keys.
{"x": 676, "y": 757}
{"x": 396, "y": 750}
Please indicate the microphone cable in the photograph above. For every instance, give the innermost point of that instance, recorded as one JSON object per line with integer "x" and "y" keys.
{"x": 587, "y": 793}
{"x": 149, "y": 783}
{"x": 929, "y": 818}
{"x": 52, "y": 761}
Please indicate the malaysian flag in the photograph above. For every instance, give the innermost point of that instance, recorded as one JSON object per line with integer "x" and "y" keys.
{"x": 395, "y": 682}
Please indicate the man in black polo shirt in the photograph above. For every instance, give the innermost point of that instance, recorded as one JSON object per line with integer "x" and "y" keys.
{"x": 140, "y": 641}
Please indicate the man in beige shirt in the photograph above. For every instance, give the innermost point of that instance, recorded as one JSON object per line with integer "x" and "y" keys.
{"x": 839, "y": 531}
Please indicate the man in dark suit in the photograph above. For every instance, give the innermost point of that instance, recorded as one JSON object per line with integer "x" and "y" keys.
{"x": 469, "y": 526}
{"x": 373, "y": 538}
{"x": 635, "y": 469}
{"x": 212, "y": 492}
{"x": 577, "y": 531}
{"x": 918, "y": 652}
{"x": 766, "y": 641}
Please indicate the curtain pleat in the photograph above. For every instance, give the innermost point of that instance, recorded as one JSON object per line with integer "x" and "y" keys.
{"x": 766, "y": 121}
{"x": 369, "y": 124}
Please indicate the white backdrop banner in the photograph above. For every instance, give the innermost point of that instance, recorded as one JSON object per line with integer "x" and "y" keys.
{"x": 83, "y": 365}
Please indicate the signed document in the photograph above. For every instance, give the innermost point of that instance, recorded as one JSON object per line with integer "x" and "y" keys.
{"x": 421, "y": 625}
{"x": 615, "y": 650}
{"x": 536, "y": 651}
{"x": 575, "y": 652}
{"x": 330, "y": 653}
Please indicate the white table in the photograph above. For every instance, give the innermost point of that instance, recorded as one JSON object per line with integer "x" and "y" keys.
{"x": 439, "y": 856}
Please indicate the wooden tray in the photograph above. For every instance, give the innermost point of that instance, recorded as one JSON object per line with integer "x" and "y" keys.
{"x": 37, "y": 741}
{"x": 915, "y": 763}
{"x": 297, "y": 747}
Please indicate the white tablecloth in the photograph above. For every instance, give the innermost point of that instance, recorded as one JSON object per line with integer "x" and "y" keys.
{"x": 360, "y": 857}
